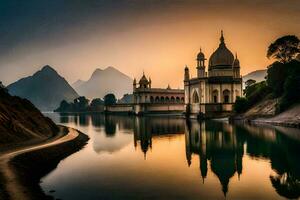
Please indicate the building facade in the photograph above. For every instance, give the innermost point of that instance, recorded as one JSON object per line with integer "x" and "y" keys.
{"x": 156, "y": 100}
{"x": 212, "y": 93}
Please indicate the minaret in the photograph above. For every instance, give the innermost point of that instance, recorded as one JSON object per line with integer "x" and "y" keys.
{"x": 134, "y": 85}
{"x": 186, "y": 73}
{"x": 187, "y": 89}
{"x": 236, "y": 67}
{"x": 149, "y": 82}
{"x": 200, "y": 64}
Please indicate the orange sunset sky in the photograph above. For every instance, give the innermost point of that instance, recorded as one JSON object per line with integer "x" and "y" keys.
{"x": 159, "y": 37}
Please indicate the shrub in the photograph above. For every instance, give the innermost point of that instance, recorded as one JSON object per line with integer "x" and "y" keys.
{"x": 241, "y": 105}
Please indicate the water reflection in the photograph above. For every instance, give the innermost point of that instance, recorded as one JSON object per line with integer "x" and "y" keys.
{"x": 221, "y": 148}
{"x": 219, "y": 144}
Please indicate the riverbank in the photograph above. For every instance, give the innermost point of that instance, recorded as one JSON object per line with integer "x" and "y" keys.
{"x": 22, "y": 169}
{"x": 289, "y": 118}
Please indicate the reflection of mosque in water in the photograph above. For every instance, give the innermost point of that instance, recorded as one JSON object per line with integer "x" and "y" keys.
{"x": 220, "y": 146}
{"x": 148, "y": 127}
{"x": 217, "y": 143}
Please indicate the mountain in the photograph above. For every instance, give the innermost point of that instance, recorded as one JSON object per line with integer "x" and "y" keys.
{"x": 104, "y": 81}
{"x": 45, "y": 89}
{"x": 77, "y": 83}
{"x": 258, "y": 75}
{"x": 21, "y": 121}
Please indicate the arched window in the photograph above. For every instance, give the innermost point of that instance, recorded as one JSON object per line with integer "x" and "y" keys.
{"x": 226, "y": 94}
{"x": 177, "y": 100}
{"x": 156, "y": 99}
{"x": 182, "y": 99}
{"x": 215, "y": 96}
{"x": 162, "y": 99}
{"x": 151, "y": 99}
{"x": 172, "y": 99}
{"x": 195, "y": 97}
{"x": 167, "y": 99}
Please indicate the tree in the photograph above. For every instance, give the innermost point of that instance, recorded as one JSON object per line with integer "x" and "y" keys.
{"x": 284, "y": 49}
{"x": 96, "y": 104}
{"x": 81, "y": 103}
{"x": 250, "y": 82}
{"x": 291, "y": 94}
{"x": 110, "y": 99}
{"x": 64, "y": 107}
{"x": 241, "y": 105}
{"x": 277, "y": 73}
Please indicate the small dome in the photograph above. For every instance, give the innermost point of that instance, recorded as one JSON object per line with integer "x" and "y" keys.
{"x": 200, "y": 55}
{"x": 236, "y": 62}
{"x": 222, "y": 56}
{"x": 143, "y": 80}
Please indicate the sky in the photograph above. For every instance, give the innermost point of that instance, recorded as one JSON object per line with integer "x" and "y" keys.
{"x": 159, "y": 37}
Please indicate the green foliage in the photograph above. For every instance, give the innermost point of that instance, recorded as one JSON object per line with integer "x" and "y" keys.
{"x": 65, "y": 106}
{"x": 257, "y": 92}
{"x": 241, "y": 105}
{"x": 284, "y": 49}
{"x": 291, "y": 93}
{"x": 96, "y": 104}
{"x": 250, "y": 82}
{"x": 81, "y": 103}
{"x": 253, "y": 94}
{"x": 110, "y": 99}
{"x": 277, "y": 73}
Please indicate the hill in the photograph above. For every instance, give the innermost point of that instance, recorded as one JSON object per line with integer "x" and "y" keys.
{"x": 102, "y": 82}
{"x": 258, "y": 75}
{"x": 21, "y": 121}
{"x": 45, "y": 89}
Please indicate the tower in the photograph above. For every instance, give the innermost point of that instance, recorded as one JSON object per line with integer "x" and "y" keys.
{"x": 200, "y": 64}
{"x": 236, "y": 67}
{"x": 186, "y": 73}
{"x": 150, "y": 82}
{"x": 186, "y": 88}
{"x": 134, "y": 85}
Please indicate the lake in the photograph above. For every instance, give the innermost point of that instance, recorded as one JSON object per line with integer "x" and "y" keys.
{"x": 131, "y": 157}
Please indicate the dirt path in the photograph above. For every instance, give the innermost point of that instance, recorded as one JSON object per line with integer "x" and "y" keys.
{"x": 12, "y": 185}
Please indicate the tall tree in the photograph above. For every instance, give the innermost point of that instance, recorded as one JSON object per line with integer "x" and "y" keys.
{"x": 284, "y": 49}
{"x": 110, "y": 99}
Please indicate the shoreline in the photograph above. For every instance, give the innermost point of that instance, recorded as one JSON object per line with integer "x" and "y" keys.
{"x": 33, "y": 162}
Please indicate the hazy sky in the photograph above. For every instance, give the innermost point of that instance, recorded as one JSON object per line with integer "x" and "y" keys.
{"x": 157, "y": 36}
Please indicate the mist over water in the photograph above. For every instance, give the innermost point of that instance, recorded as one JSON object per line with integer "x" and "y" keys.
{"x": 170, "y": 158}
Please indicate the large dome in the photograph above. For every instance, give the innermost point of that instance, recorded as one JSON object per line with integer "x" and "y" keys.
{"x": 222, "y": 57}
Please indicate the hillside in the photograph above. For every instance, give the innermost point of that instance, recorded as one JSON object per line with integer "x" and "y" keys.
{"x": 103, "y": 81}
{"x": 258, "y": 76}
{"x": 21, "y": 121}
{"x": 45, "y": 89}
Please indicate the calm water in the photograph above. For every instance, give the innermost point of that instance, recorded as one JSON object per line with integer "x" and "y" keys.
{"x": 169, "y": 158}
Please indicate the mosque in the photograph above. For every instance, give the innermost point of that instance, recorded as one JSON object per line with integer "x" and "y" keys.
{"x": 212, "y": 93}
{"x": 147, "y": 99}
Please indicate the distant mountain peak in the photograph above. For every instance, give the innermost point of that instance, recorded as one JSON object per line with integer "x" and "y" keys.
{"x": 103, "y": 81}
{"x": 47, "y": 69}
{"x": 45, "y": 89}
{"x": 110, "y": 68}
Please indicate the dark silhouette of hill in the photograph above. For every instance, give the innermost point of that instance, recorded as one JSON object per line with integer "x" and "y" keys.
{"x": 21, "y": 121}
{"x": 45, "y": 89}
{"x": 104, "y": 81}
